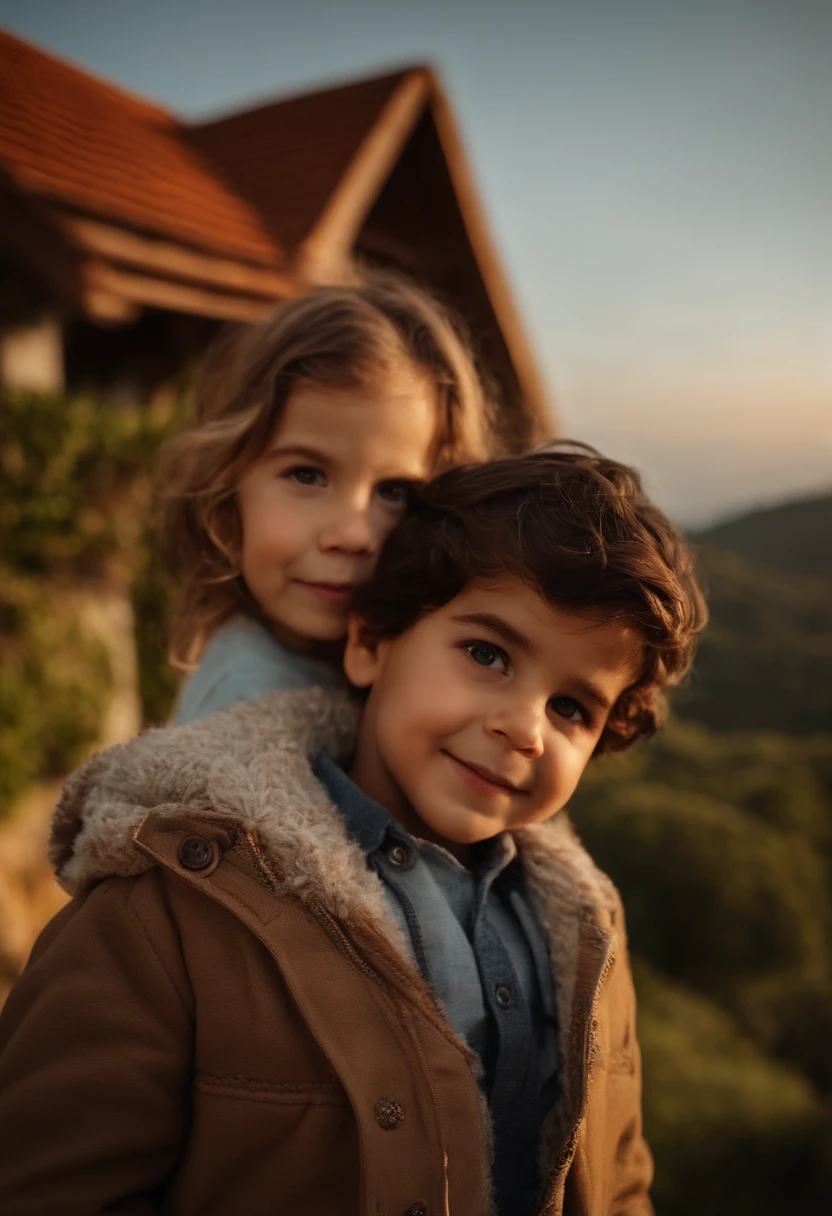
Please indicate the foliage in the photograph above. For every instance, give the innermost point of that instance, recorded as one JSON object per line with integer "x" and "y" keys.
{"x": 732, "y": 1130}
{"x": 74, "y": 498}
{"x": 152, "y": 596}
{"x": 73, "y": 485}
{"x": 765, "y": 662}
{"x": 54, "y": 686}
{"x": 75, "y": 492}
{"x": 721, "y": 846}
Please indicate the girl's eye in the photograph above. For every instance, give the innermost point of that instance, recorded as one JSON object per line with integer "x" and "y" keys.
{"x": 394, "y": 493}
{"x": 568, "y": 708}
{"x": 306, "y": 476}
{"x": 486, "y": 654}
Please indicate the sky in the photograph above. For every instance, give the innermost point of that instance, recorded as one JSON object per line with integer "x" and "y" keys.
{"x": 657, "y": 175}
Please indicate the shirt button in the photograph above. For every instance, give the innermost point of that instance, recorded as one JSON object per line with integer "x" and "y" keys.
{"x": 417, "y": 1209}
{"x": 195, "y": 853}
{"x": 398, "y": 855}
{"x": 502, "y": 995}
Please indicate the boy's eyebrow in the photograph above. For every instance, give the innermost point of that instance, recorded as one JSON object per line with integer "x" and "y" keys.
{"x": 592, "y": 692}
{"x": 496, "y": 624}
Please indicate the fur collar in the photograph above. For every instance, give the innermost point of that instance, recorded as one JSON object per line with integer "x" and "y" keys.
{"x": 252, "y": 763}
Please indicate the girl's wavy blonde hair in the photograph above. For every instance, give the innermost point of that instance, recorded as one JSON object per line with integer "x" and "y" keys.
{"x": 362, "y": 334}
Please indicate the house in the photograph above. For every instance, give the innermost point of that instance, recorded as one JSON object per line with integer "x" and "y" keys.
{"x": 127, "y": 237}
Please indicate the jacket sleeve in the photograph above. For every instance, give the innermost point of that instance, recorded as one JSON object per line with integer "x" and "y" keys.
{"x": 96, "y": 1047}
{"x": 633, "y": 1172}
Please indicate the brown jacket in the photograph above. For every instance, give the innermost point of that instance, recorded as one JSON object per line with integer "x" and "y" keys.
{"x": 235, "y": 1025}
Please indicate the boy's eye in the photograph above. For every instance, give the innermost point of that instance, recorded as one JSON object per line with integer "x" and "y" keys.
{"x": 568, "y": 708}
{"x": 486, "y": 654}
{"x": 395, "y": 493}
{"x": 305, "y": 475}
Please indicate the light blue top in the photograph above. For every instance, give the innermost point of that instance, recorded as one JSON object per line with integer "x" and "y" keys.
{"x": 243, "y": 662}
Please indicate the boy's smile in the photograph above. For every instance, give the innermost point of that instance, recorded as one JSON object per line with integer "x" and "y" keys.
{"x": 483, "y": 715}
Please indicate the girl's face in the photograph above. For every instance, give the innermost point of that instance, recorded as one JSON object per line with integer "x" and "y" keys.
{"x": 317, "y": 505}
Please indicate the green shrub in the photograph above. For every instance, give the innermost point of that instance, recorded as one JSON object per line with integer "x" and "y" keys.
{"x": 73, "y": 481}
{"x": 75, "y": 476}
{"x": 55, "y": 683}
{"x": 152, "y": 595}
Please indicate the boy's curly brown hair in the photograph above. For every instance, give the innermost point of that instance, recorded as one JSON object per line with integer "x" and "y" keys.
{"x": 577, "y": 528}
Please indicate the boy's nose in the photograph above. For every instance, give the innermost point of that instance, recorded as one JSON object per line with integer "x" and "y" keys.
{"x": 520, "y": 725}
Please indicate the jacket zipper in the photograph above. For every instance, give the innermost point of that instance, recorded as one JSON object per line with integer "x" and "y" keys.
{"x": 568, "y": 1151}
{"x": 342, "y": 942}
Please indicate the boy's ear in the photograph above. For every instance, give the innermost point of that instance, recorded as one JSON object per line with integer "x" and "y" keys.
{"x": 362, "y": 653}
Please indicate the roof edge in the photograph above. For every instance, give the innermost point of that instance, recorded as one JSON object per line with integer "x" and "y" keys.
{"x": 326, "y": 86}
{"x": 329, "y": 243}
{"x": 539, "y": 401}
{"x": 134, "y": 100}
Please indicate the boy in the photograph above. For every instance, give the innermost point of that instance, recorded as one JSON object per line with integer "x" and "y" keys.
{"x": 396, "y": 989}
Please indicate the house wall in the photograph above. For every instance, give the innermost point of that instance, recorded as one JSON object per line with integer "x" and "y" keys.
{"x": 128, "y": 364}
{"x": 32, "y": 356}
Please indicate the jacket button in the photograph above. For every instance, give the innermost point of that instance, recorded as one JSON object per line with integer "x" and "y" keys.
{"x": 398, "y": 855}
{"x": 389, "y": 1114}
{"x": 417, "y": 1209}
{"x": 502, "y": 995}
{"x": 195, "y": 853}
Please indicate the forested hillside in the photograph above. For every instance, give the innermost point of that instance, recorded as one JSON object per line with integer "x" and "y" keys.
{"x": 719, "y": 836}
{"x": 793, "y": 536}
{"x": 765, "y": 662}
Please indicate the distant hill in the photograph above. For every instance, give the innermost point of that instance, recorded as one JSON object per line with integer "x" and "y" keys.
{"x": 765, "y": 662}
{"x": 795, "y": 537}
{"x": 719, "y": 838}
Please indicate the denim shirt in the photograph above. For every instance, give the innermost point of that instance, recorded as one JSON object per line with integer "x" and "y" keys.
{"x": 479, "y": 946}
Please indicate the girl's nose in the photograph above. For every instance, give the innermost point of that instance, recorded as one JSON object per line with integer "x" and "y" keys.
{"x": 349, "y": 530}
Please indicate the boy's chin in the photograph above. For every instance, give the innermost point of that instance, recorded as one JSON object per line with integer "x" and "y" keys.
{"x": 462, "y": 829}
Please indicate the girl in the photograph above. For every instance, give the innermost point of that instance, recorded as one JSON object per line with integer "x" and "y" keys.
{"x": 310, "y": 430}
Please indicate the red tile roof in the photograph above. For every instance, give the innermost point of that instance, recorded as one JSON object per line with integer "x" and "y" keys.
{"x": 250, "y": 186}
{"x": 69, "y": 137}
{"x": 288, "y": 157}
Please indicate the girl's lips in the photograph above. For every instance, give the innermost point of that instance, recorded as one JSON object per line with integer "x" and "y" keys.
{"x": 483, "y": 779}
{"x": 332, "y": 593}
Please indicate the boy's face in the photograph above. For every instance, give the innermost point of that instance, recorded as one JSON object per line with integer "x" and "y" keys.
{"x": 316, "y": 507}
{"x": 483, "y": 715}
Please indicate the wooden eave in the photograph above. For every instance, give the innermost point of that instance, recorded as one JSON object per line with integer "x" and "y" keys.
{"x": 330, "y": 242}
{"x": 124, "y": 270}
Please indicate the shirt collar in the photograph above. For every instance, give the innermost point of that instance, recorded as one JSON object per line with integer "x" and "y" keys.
{"x": 368, "y": 823}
